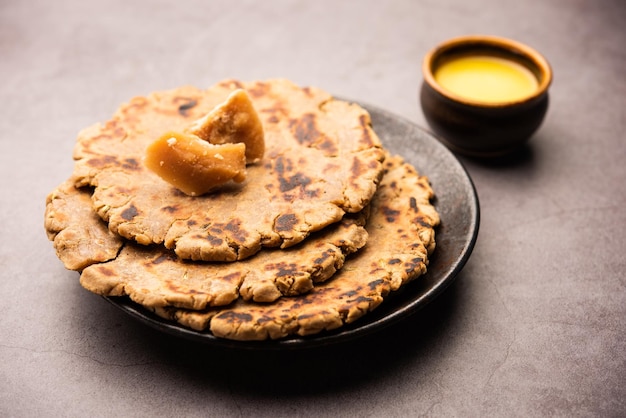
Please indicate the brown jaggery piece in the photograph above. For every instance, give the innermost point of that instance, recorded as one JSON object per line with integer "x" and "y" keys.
{"x": 194, "y": 166}
{"x": 232, "y": 122}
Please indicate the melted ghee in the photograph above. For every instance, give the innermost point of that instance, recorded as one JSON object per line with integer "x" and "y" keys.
{"x": 486, "y": 79}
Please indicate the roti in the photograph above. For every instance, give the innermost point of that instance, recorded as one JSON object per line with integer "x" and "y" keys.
{"x": 79, "y": 236}
{"x": 154, "y": 277}
{"x": 322, "y": 160}
{"x": 401, "y": 231}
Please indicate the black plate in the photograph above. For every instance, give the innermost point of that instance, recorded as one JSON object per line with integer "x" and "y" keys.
{"x": 457, "y": 204}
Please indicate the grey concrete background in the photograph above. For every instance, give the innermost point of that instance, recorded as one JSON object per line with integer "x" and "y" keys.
{"x": 535, "y": 324}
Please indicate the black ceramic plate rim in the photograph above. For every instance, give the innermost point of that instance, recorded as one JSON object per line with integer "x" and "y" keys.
{"x": 420, "y": 148}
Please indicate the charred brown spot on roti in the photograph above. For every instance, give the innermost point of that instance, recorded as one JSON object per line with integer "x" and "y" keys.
{"x": 235, "y": 317}
{"x": 188, "y": 104}
{"x": 297, "y": 180}
{"x": 282, "y": 165}
{"x": 374, "y": 269}
{"x": 390, "y": 214}
{"x": 357, "y": 169}
{"x": 361, "y": 298}
{"x": 129, "y": 213}
{"x": 413, "y": 264}
{"x": 416, "y": 246}
{"x": 349, "y": 294}
{"x": 366, "y": 135}
{"x": 102, "y": 162}
{"x": 375, "y": 283}
{"x": 413, "y": 204}
{"x": 275, "y": 114}
{"x": 106, "y": 271}
{"x": 286, "y": 222}
{"x": 131, "y": 164}
{"x": 422, "y": 222}
{"x": 259, "y": 90}
{"x": 328, "y": 146}
{"x": 214, "y": 229}
{"x": 213, "y": 240}
{"x": 288, "y": 182}
{"x": 234, "y": 227}
{"x": 269, "y": 187}
{"x": 283, "y": 269}
{"x": 325, "y": 256}
{"x": 305, "y": 130}
{"x": 170, "y": 209}
{"x": 233, "y": 277}
{"x": 179, "y": 290}
{"x": 268, "y": 164}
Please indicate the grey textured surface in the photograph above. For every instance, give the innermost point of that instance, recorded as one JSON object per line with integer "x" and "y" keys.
{"x": 534, "y": 325}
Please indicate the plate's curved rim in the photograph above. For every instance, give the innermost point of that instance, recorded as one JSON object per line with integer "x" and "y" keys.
{"x": 364, "y": 326}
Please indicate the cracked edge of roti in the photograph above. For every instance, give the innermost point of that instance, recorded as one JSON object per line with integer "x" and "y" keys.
{"x": 111, "y": 278}
{"x": 80, "y": 237}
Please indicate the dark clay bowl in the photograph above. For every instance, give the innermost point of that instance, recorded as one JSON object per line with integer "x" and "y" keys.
{"x": 478, "y": 128}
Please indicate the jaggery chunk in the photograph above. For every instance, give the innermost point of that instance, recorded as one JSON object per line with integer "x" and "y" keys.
{"x": 232, "y": 122}
{"x": 193, "y": 165}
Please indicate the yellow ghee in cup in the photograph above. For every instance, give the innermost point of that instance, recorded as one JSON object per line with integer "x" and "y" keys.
{"x": 486, "y": 78}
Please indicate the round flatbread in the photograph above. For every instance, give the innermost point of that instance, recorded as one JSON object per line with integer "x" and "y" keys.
{"x": 322, "y": 160}
{"x": 401, "y": 231}
{"x": 153, "y": 276}
{"x": 79, "y": 236}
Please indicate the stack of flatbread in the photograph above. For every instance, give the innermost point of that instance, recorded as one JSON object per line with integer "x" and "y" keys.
{"x": 323, "y": 228}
